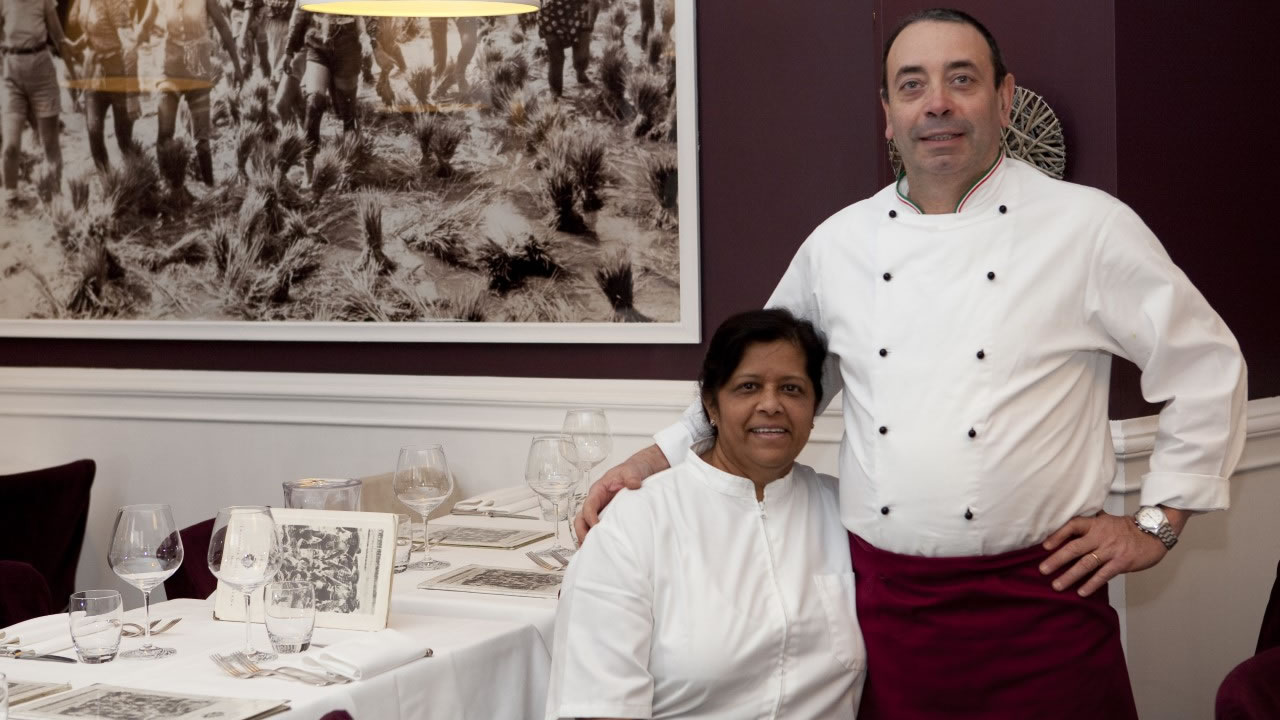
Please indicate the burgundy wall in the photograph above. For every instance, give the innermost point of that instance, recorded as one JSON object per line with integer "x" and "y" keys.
{"x": 791, "y": 130}
{"x": 1197, "y": 153}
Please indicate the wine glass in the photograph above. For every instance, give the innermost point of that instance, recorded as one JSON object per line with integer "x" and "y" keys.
{"x": 551, "y": 475}
{"x": 145, "y": 550}
{"x": 588, "y": 428}
{"x": 244, "y": 552}
{"x": 422, "y": 481}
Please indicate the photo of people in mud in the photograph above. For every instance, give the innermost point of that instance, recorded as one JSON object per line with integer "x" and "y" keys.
{"x": 202, "y": 160}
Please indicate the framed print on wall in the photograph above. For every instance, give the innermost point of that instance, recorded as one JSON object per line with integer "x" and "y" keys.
{"x": 531, "y": 178}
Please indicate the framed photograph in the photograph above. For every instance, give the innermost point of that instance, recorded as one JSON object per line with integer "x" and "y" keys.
{"x": 528, "y": 178}
{"x": 498, "y": 581}
{"x": 346, "y": 556}
{"x": 117, "y": 703}
{"x": 485, "y": 537}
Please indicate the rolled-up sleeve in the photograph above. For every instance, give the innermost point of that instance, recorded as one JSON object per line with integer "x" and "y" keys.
{"x": 1190, "y": 362}
{"x": 604, "y": 621}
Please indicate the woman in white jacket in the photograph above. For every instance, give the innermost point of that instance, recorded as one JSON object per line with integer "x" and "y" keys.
{"x": 722, "y": 588}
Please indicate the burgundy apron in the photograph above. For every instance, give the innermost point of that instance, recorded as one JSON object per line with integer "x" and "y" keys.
{"x": 984, "y": 637}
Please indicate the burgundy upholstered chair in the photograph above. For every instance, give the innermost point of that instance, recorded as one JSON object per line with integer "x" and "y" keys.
{"x": 1252, "y": 690}
{"x": 43, "y": 513}
{"x": 24, "y": 594}
{"x": 193, "y": 579}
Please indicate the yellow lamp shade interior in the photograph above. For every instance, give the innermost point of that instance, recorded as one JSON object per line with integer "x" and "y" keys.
{"x": 421, "y": 8}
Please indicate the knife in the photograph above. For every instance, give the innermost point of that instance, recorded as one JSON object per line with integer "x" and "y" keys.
{"x": 26, "y": 655}
{"x": 491, "y": 513}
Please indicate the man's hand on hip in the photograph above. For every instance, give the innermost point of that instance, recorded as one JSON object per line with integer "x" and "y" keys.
{"x": 1103, "y": 547}
{"x": 629, "y": 474}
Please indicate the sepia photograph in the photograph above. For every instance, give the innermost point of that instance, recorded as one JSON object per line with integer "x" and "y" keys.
{"x": 498, "y": 581}
{"x": 269, "y": 173}
{"x": 107, "y": 702}
{"x": 345, "y": 556}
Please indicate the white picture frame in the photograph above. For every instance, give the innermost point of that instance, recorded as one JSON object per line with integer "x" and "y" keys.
{"x": 348, "y": 557}
{"x": 685, "y": 330}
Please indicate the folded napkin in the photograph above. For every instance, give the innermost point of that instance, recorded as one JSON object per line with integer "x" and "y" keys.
{"x": 42, "y": 635}
{"x": 371, "y": 654}
{"x": 512, "y": 499}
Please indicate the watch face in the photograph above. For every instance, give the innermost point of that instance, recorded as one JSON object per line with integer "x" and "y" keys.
{"x": 1150, "y": 518}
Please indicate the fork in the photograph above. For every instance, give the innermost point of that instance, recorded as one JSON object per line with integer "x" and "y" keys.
{"x": 130, "y": 631}
{"x": 537, "y": 559}
{"x": 292, "y": 672}
{"x": 230, "y": 668}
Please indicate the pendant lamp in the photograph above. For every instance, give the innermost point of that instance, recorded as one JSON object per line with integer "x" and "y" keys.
{"x": 421, "y": 8}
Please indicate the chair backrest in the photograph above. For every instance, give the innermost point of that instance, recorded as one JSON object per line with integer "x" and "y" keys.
{"x": 24, "y": 594}
{"x": 193, "y": 578}
{"x": 43, "y": 513}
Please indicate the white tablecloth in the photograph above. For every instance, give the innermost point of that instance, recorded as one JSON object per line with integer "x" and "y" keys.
{"x": 407, "y": 599}
{"x": 481, "y": 668}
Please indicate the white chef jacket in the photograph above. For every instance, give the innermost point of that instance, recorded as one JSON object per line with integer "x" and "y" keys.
{"x": 690, "y": 599}
{"x": 974, "y": 352}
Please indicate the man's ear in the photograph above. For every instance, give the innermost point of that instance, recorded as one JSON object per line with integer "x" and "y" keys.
{"x": 888, "y": 126}
{"x": 1007, "y": 86}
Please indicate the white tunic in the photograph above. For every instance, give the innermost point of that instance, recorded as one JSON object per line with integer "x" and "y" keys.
{"x": 974, "y": 350}
{"x": 692, "y": 600}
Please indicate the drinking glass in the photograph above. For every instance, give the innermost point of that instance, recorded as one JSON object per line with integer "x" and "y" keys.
{"x": 422, "y": 481}
{"x": 290, "y": 614}
{"x": 95, "y": 618}
{"x": 588, "y": 428}
{"x": 550, "y": 474}
{"x": 404, "y": 543}
{"x": 244, "y": 552}
{"x": 145, "y": 550}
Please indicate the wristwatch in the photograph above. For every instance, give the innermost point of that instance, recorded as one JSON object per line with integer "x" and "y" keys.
{"x": 1151, "y": 520}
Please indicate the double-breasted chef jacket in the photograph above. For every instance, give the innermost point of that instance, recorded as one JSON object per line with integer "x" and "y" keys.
{"x": 974, "y": 348}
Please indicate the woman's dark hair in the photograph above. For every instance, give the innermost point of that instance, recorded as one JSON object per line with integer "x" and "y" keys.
{"x": 735, "y": 335}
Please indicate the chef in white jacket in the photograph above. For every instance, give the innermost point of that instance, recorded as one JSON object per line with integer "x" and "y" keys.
{"x": 972, "y": 309}
{"x": 722, "y": 588}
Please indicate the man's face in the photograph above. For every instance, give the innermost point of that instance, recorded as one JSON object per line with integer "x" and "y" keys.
{"x": 944, "y": 110}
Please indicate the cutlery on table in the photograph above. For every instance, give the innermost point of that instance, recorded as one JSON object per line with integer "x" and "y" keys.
{"x": 236, "y": 671}
{"x": 133, "y": 630}
{"x": 564, "y": 561}
{"x": 537, "y": 559}
{"x": 491, "y": 513}
{"x": 28, "y": 655}
{"x": 327, "y": 678}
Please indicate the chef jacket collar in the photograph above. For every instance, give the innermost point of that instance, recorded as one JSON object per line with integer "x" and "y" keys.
{"x": 736, "y": 486}
{"x": 981, "y": 196}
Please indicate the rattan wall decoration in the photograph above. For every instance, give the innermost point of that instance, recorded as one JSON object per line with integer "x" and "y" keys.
{"x": 1034, "y": 135}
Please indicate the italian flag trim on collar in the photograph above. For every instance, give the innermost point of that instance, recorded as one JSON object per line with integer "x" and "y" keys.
{"x": 960, "y": 205}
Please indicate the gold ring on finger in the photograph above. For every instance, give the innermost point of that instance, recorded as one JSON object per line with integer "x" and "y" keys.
{"x": 1095, "y": 557}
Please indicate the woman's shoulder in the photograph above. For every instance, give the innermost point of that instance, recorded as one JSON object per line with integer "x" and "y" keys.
{"x": 822, "y": 484}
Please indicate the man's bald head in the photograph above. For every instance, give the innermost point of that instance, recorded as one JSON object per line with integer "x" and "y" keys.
{"x": 941, "y": 15}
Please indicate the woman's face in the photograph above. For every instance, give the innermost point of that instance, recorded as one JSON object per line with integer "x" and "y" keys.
{"x": 765, "y": 412}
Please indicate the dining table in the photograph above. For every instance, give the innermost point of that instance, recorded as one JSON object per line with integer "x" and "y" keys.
{"x": 490, "y": 659}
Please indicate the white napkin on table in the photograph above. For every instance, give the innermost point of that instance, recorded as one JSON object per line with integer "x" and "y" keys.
{"x": 370, "y": 654}
{"x": 41, "y": 636}
{"x": 512, "y": 499}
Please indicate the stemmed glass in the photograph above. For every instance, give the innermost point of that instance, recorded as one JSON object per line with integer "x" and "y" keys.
{"x": 422, "y": 481}
{"x": 551, "y": 475}
{"x": 145, "y": 550}
{"x": 588, "y": 429}
{"x": 244, "y": 552}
